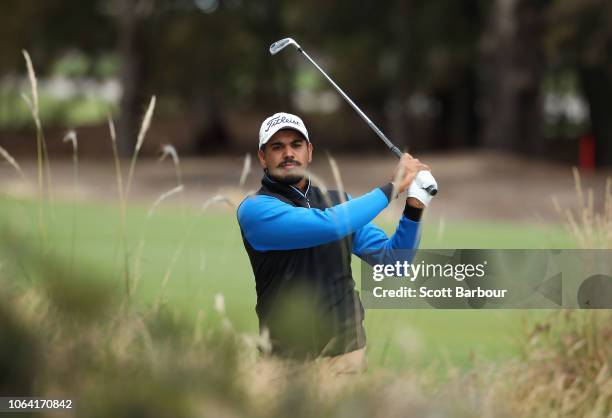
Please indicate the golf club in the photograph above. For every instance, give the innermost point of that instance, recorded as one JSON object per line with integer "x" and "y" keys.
{"x": 278, "y": 46}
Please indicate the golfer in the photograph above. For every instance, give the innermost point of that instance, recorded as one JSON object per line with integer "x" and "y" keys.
{"x": 300, "y": 239}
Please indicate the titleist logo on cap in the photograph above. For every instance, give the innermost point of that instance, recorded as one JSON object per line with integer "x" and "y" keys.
{"x": 280, "y": 119}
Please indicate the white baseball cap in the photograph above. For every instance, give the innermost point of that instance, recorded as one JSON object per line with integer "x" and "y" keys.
{"x": 279, "y": 121}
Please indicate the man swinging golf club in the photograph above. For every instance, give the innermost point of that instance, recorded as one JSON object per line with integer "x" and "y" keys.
{"x": 300, "y": 239}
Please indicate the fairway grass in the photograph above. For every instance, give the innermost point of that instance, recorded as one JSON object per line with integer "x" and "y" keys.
{"x": 86, "y": 240}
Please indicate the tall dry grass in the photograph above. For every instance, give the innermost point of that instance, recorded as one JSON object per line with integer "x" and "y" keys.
{"x": 591, "y": 228}
{"x": 12, "y": 162}
{"x": 71, "y": 137}
{"x": 568, "y": 357}
{"x": 122, "y": 207}
{"x": 70, "y": 340}
{"x": 566, "y": 367}
{"x": 44, "y": 167}
{"x": 124, "y": 193}
{"x": 142, "y": 133}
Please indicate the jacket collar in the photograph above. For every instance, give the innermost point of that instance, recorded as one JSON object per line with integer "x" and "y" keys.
{"x": 290, "y": 192}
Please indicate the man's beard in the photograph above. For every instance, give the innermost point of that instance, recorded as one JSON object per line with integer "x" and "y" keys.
{"x": 287, "y": 180}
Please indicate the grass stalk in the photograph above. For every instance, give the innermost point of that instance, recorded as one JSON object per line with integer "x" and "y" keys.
{"x": 9, "y": 159}
{"x": 144, "y": 127}
{"x": 169, "y": 150}
{"x": 41, "y": 147}
{"x": 122, "y": 207}
{"x": 213, "y": 200}
{"x": 337, "y": 177}
{"x": 246, "y": 170}
{"x": 142, "y": 241}
{"x": 590, "y": 227}
{"x": 71, "y": 137}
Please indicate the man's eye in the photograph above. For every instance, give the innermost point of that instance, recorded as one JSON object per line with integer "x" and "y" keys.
{"x": 275, "y": 147}
{"x": 297, "y": 144}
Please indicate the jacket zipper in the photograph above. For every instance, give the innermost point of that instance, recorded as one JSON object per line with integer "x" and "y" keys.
{"x": 303, "y": 194}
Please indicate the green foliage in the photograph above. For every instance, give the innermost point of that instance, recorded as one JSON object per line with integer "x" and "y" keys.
{"x": 73, "y": 64}
{"x": 76, "y": 111}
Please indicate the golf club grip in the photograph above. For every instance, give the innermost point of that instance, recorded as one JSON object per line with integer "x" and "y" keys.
{"x": 431, "y": 189}
{"x": 395, "y": 150}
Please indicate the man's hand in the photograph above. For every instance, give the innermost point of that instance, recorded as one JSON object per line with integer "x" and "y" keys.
{"x": 406, "y": 171}
{"x": 415, "y": 176}
{"x": 417, "y": 192}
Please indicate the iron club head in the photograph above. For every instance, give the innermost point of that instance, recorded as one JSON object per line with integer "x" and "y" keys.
{"x": 278, "y": 46}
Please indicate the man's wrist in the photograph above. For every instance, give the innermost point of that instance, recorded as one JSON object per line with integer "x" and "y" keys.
{"x": 413, "y": 210}
{"x": 389, "y": 191}
{"x": 414, "y": 202}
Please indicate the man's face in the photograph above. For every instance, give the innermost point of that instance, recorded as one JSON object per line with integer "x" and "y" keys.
{"x": 286, "y": 155}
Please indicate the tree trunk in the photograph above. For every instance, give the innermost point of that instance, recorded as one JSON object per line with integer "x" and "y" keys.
{"x": 457, "y": 123}
{"x": 466, "y": 123}
{"x": 512, "y": 73}
{"x": 130, "y": 82}
{"x": 597, "y": 86}
{"x": 210, "y": 133}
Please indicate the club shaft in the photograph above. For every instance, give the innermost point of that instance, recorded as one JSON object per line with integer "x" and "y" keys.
{"x": 367, "y": 120}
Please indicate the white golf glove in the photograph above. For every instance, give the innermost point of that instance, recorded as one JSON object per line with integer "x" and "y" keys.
{"x": 420, "y": 184}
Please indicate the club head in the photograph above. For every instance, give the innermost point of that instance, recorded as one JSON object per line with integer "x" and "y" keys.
{"x": 278, "y": 46}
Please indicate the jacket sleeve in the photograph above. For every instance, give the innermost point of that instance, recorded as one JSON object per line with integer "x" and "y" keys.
{"x": 372, "y": 245}
{"x": 270, "y": 224}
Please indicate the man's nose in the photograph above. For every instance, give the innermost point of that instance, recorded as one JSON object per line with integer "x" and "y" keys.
{"x": 288, "y": 153}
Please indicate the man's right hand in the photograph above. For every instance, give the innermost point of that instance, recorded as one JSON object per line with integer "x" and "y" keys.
{"x": 406, "y": 171}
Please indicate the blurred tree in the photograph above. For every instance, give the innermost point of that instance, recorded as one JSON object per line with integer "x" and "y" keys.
{"x": 133, "y": 47}
{"x": 203, "y": 54}
{"x": 354, "y": 43}
{"x": 387, "y": 54}
{"x": 453, "y": 64}
{"x": 50, "y": 28}
{"x": 214, "y": 56}
{"x": 514, "y": 65}
{"x": 579, "y": 38}
{"x": 438, "y": 42}
{"x": 207, "y": 56}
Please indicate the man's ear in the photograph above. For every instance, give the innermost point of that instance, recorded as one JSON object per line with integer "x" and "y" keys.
{"x": 310, "y": 148}
{"x": 262, "y": 161}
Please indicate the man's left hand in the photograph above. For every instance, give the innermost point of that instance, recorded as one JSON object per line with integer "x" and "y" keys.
{"x": 417, "y": 195}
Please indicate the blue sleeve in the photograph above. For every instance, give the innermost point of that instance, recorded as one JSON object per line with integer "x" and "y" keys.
{"x": 270, "y": 224}
{"x": 371, "y": 243}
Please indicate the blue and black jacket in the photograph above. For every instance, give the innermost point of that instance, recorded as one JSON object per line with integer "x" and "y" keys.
{"x": 300, "y": 246}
